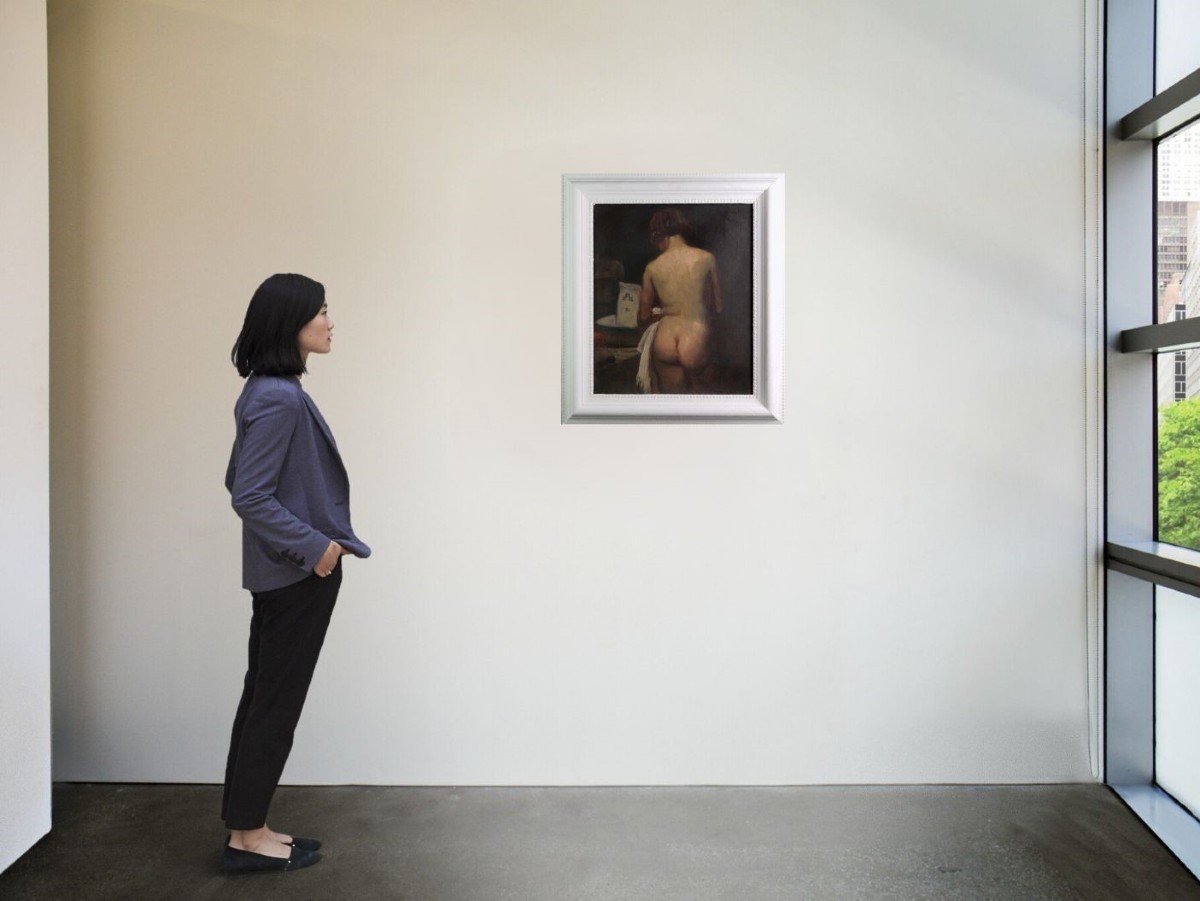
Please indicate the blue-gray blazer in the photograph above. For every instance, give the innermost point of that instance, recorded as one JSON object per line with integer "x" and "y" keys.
{"x": 287, "y": 483}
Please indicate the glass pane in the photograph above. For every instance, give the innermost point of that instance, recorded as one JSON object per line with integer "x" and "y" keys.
{"x": 1176, "y": 687}
{"x": 1178, "y": 388}
{"x": 1177, "y": 22}
{"x": 1178, "y": 226}
{"x": 1177, "y": 264}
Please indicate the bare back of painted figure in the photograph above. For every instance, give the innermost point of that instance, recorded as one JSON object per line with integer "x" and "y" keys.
{"x": 683, "y": 281}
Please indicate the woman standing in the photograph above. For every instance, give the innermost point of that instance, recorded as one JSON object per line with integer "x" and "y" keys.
{"x": 287, "y": 483}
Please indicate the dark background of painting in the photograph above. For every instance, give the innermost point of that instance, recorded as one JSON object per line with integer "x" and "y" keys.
{"x": 621, "y": 231}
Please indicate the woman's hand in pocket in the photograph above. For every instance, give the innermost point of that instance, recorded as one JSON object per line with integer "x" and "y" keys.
{"x": 329, "y": 559}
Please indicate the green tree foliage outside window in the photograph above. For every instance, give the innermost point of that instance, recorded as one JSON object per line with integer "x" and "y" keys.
{"x": 1179, "y": 474}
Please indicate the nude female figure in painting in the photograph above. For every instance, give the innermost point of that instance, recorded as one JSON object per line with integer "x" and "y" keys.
{"x": 682, "y": 280}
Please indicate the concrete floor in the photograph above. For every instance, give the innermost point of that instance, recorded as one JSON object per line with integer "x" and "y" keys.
{"x": 838, "y": 842}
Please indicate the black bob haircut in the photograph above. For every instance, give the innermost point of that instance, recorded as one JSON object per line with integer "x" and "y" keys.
{"x": 282, "y": 305}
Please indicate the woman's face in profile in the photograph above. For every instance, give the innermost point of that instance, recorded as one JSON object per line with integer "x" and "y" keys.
{"x": 317, "y": 335}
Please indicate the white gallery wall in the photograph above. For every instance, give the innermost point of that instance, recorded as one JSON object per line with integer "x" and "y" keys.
{"x": 891, "y": 586}
{"x": 24, "y": 412}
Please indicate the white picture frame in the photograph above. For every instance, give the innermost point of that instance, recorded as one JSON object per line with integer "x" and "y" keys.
{"x": 764, "y": 193}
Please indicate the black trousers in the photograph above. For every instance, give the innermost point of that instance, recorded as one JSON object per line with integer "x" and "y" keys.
{"x": 287, "y": 629}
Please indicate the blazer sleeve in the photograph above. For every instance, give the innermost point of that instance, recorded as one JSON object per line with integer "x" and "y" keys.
{"x": 270, "y": 421}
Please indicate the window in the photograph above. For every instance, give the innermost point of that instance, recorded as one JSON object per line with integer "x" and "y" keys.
{"x": 1177, "y": 281}
{"x": 1152, "y": 419}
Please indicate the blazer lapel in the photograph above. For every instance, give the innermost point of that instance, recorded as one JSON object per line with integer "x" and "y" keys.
{"x": 316, "y": 414}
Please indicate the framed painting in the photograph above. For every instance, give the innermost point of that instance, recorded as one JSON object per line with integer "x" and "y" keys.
{"x": 672, "y": 297}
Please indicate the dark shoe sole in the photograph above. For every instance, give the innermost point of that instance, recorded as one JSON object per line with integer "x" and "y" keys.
{"x": 234, "y": 860}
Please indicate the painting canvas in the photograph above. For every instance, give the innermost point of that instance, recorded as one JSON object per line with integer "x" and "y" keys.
{"x": 672, "y": 297}
{"x": 672, "y": 301}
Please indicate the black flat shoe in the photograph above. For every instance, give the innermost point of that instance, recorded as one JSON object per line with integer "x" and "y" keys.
{"x": 234, "y": 860}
